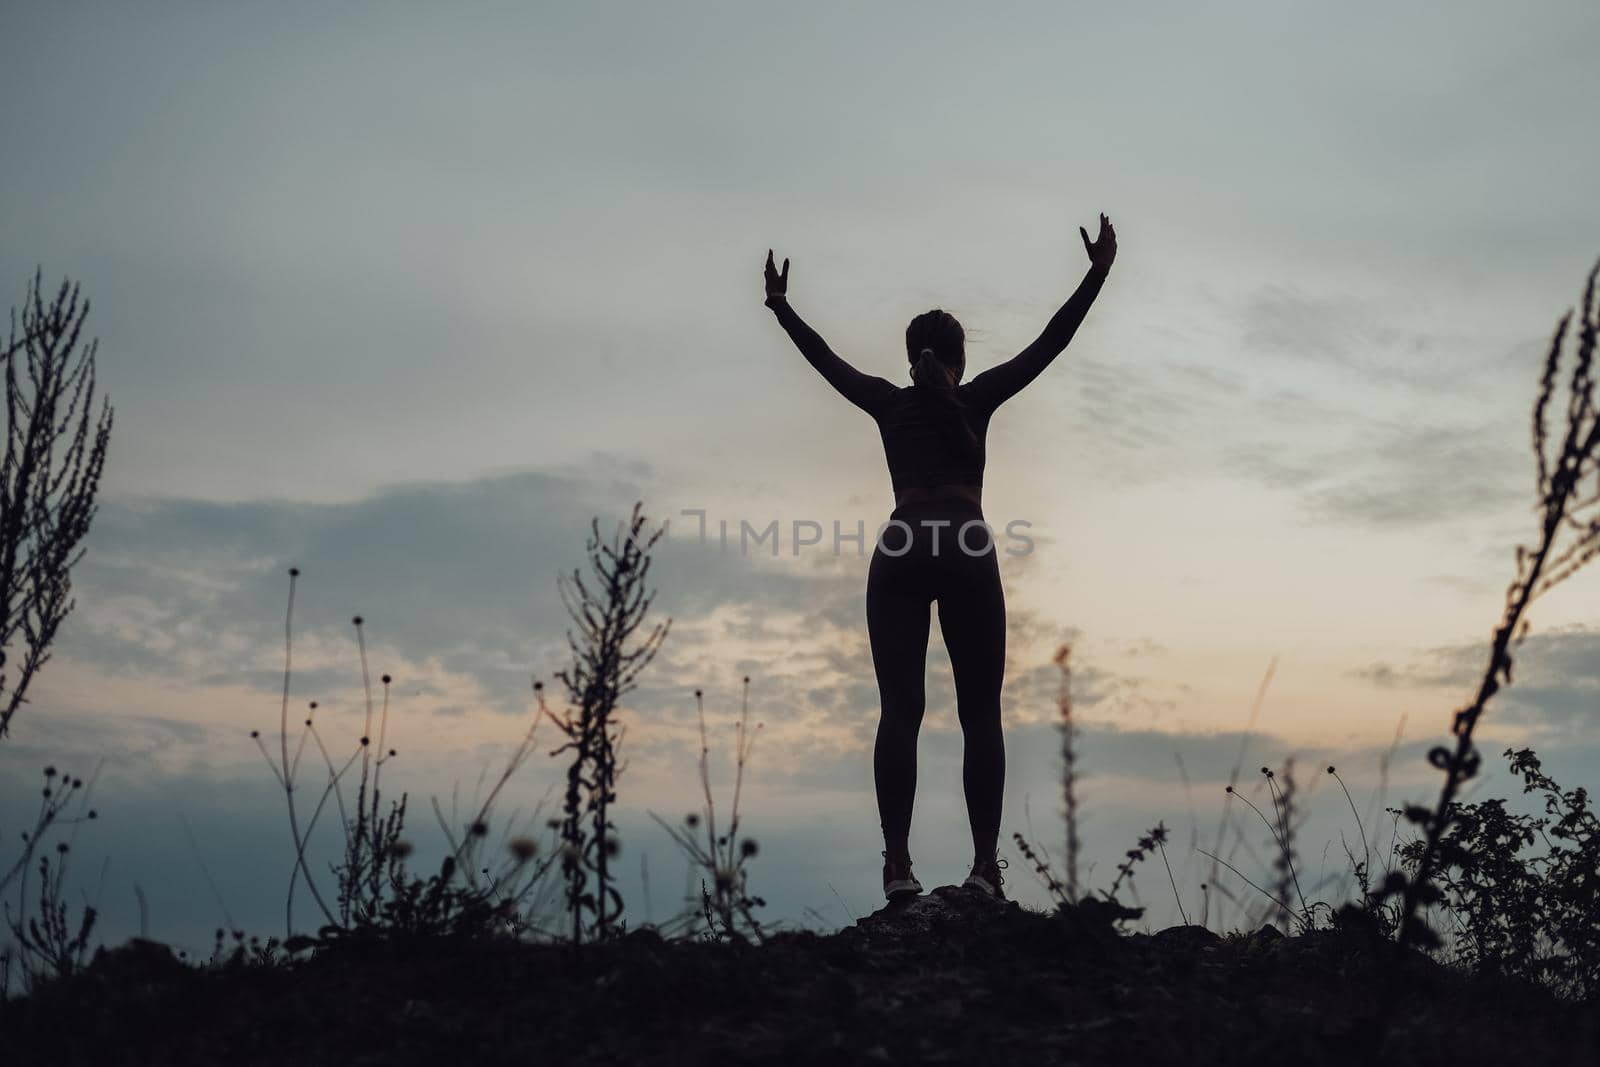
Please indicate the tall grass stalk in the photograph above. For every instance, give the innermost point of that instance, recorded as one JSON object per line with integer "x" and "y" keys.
{"x": 1569, "y": 538}
{"x": 1069, "y": 773}
{"x": 609, "y": 653}
{"x": 727, "y": 905}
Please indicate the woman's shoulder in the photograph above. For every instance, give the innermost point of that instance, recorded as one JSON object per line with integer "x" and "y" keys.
{"x": 977, "y": 393}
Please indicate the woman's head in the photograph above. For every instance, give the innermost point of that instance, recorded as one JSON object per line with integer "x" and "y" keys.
{"x": 936, "y": 349}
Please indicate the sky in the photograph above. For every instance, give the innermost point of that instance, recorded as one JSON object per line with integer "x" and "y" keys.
{"x": 405, "y": 296}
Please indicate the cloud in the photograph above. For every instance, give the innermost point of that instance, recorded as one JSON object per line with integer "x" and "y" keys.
{"x": 461, "y": 575}
{"x": 1378, "y": 411}
{"x": 1555, "y": 692}
{"x": 1398, "y": 475}
{"x": 1368, "y": 339}
{"x": 181, "y": 606}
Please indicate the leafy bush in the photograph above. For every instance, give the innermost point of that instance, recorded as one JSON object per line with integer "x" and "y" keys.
{"x": 1524, "y": 889}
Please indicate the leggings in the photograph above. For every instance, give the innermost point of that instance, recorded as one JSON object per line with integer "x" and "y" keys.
{"x": 972, "y": 616}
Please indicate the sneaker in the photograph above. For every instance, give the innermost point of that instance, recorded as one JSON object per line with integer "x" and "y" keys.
{"x": 986, "y": 878}
{"x": 898, "y": 881}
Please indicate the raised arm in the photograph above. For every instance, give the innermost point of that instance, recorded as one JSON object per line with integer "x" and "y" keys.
{"x": 998, "y": 384}
{"x": 863, "y": 390}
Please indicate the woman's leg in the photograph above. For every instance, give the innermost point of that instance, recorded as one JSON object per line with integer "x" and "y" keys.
{"x": 972, "y": 616}
{"x": 897, "y": 626}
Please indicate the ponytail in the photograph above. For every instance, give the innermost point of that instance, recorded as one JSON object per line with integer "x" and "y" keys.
{"x": 927, "y": 371}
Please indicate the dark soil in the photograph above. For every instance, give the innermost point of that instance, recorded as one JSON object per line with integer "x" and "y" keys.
{"x": 947, "y": 978}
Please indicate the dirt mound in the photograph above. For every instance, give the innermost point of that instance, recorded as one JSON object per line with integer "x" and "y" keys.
{"x": 949, "y": 977}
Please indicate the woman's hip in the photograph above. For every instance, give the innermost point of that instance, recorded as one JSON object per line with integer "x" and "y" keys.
{"x": 935, "y": 533}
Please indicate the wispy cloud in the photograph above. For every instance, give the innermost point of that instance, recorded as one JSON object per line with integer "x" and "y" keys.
{"x": 1398, "y": 475}
{"x": 1555, "y": 693}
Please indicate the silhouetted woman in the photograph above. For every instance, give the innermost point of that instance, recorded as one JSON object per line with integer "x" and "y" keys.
{"x": 936, "y": 547}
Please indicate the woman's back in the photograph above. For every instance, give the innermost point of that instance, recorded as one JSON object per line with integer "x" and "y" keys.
{"x": 930, "y": 441}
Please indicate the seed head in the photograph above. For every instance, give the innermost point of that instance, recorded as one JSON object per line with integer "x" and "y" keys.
{"x": 523, "y": 848}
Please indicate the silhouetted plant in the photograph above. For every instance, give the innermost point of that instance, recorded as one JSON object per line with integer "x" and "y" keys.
{"x": 373, "y": 848}
{"x": 1283, "y": 796}
{"x": 726, "y": 904}
{"x": 1065, "y": 890}
{"x": 1369, "y": 912}
{"x": 1569, "y": 537}
{"x": 508, "y": 883}
{"x": 246, "y": 951}
{"x": 1281, "y": 826}
{"x": 1148, "y": 843}
{"x": 1069, "y": 761}
{"x": 375, "y": 892}
{"x": 1225, "y": 820}
{"x": 608, "y": 656}
{"x": 1361, "y": 869}
{"x": 45, "y": 940}
{"x": 1101, "y": 911}
{"x": 49, "y": 944}
{"x": 55, "y": 450}
{"x": 59, "y": 793}
{"x": 1525, "y": 910}
{"x": 286, "y": 770}
{"x": 1039, "y": 860}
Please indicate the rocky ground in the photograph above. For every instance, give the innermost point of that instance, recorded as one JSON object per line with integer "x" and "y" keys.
{"x": 950, "y": 977}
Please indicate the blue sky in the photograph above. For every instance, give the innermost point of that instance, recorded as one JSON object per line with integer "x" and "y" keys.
{"x": 403, "y": 297}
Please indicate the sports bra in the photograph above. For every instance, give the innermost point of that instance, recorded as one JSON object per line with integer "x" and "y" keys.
{"x": 929, "y": 441}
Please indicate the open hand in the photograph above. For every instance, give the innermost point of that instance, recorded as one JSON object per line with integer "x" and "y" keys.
{"x": 1103, "y": 249}
{"x": 777, "y": 284}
